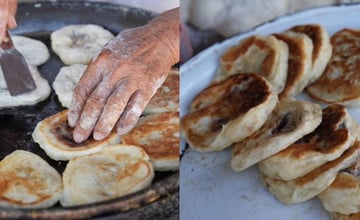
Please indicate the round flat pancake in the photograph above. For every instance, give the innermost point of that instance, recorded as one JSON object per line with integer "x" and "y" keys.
{"x": 77, "y": 44}
{"x": 28, "y": 181}
{"x": 340, "y": 82}
{"x": 290, "y": 120}
{"x": 336, "y": 133}
{"x": 116, "y": 171}
{"x": 227, "y": 112}
{"x": 158, "y": 135}
{"x": 264, "y": 55}
{"x": 54, "y": 136}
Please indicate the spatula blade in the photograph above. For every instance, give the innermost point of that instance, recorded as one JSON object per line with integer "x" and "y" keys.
{"x": 15, "y": 69}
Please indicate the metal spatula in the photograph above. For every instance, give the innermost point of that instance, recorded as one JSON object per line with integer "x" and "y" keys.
{"x": 16, "y": 72}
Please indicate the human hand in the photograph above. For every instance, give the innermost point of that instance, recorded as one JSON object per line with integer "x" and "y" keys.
{"x": 121, "y": 80}
{"x": 7, "y": 16}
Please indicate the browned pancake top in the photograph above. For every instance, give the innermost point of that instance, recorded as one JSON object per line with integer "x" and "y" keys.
{"x": 157, "y": 134}
{"x": 326, "y": 138}
{"x": 345, "y": 181}
{"x": 314, "y": 33}
{"x": 168, "y": 93}
{"x": 223, "y": 102}
{"x": 346, "y": 159}
{"x": 297, "y": 56}
{"x": 341, "y": 77}
{"x": 33, "y": 186}
{"x": 235, "y": 52}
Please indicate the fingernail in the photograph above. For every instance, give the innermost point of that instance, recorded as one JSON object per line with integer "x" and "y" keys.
{"x": 98, "y": 136}
{"x": 78, "y": 138}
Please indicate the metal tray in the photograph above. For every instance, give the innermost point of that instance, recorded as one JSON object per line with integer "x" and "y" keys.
{"x": 37, "y": 19}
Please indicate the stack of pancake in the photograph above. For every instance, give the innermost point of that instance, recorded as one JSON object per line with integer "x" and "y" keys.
{"x": 300, "y": 147}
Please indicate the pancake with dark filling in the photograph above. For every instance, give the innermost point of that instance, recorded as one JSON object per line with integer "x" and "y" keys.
{"x": 54, "y": 136}
{"x": 336, "y": 133}
{"x": 227, "y": 112}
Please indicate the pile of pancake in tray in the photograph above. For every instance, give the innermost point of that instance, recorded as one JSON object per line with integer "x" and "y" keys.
{"x": 95, "y": 170}
{"x": 302, "y": 149}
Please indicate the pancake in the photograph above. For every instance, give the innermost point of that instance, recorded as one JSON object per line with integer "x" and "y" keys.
{"x": 158, "y": 135}
{"x": 299, "y": 62}
{"x": 116, "y": 171}
{"x": 322, "y": 48}
{"x": 166, "y": 98}
{"x": 263, "y": 55}
{"x": 340, "y": 82}
{"x": 78, "y": 43}
{"x": 343, "y": 195}
{"x": 28, "y": 181}
{"x": 210, "y": 126}
{"x": 54, "y": 136}
{"x": 290, "y": 121}
{"x": 66, "y": 81}
{"x": 312, "y": 184}
{"x": 338, "y": 216}
{"x": 34, "y": 51}
{"x": 336, "y": 133}
{"x": 41, "y": 92}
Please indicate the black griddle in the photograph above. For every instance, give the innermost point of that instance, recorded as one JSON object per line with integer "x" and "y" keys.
{"x": 37, "y": 19}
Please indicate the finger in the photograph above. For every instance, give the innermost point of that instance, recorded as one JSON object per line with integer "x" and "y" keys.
{"x": 92, "y": 110}
{"x": 12, "y": 12}
{"x": 88, "y": 82}
{"x": 4, "y": 12}
{"x": 113, "y": 109}
{"x": 133, "y": 110}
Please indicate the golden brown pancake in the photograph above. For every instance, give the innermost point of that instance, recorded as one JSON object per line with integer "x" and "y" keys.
{"x": 227, "y": 112}
{"x": 343, "y": 195}
{"x": 264, "y": 55}
{"x": 158, "y": 135}
{"x": 54, "y": 136}
{"x": 289, "y": 121}
{"x": 312, "y": 184}
{"x": 336, "y": 133}
{"x": 28, "y": 181}
{"x": 299, "y": 62}
{"x": 166, "y": 98}
{"x": 115, "y": 171}
{"x": 340, "y": 82}
{"x": 322, "y": 48}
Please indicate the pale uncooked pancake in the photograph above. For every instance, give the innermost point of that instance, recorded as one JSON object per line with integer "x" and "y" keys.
{"x": 158, "y": 135}
{"x": 290, "y": 121}
{"x": 116, "y": 171}
{"x": 54, "y": 136}
{"x": 34, "y": 51}
{"x": 41, "y": 92}
{"x": 77, "y": 44}
{"x": 264, "y": 55}
{"x": 336, "y": 133}
{"x": 28, "y": 181}
{"x": 228, "y": 112}
{"x": 166, "y": 98}
{"x": 66, "y": 81}
{"x": 312, "y": 184}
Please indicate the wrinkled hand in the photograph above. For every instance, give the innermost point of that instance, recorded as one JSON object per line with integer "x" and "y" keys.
{"x": 7, "y": 16}
{"x": 121, "y": 80}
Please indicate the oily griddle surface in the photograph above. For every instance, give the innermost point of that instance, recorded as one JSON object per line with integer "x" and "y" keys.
{"x": 37, "y": 20}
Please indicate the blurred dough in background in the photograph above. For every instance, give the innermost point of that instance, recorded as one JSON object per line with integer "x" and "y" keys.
{"x": 230, "y": 17}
